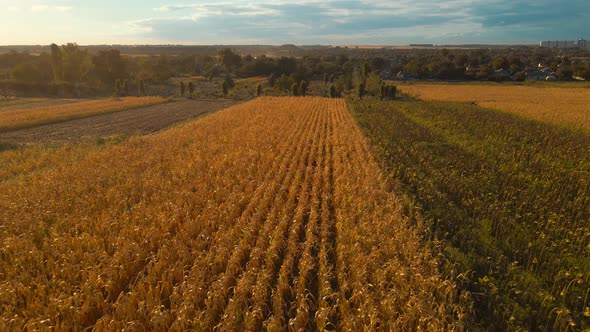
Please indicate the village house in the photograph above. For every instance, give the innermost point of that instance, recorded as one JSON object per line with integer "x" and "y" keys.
{"x": 545, "y": 74}
{"x": 501, "y": 75}
{"x": 405, "y": 76}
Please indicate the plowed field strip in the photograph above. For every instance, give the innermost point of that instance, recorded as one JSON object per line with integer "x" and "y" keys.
{"x": 142, "y": 120}
{"x": 26, "y": 118}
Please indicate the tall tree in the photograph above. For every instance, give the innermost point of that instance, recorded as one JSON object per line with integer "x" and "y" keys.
{"x": 109, "y": 66}
{"x": 181, "y": 88}
{"x": 294, "y": 90}
{"x": 56, "y": 63}
{"x": 77, "y": 63}
{"x": 332, "y": 92}
{"x": 229, "y": 59}
{"x": 141, "y": 86}
{"x": 26, "y": 73}
{"x": 191, "y": 89}
{"x": 361, "y": 90}
{"x": 303, "y": 88}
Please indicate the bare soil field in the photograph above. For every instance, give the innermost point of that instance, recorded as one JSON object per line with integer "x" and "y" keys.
{"x": 140, "y": 120}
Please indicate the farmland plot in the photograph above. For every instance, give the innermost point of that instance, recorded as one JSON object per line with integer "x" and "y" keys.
{"x": 271, "y": 214}
{"x": 27, "y": 117}
{"x": 140, "y": 120}
{"x": 564, "y": 106}
{"x": 509, "y": 198}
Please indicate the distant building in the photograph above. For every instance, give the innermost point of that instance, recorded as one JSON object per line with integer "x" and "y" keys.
{"x": 386, "y": 74}
{"x": 564, "y": 44}
{"x": 501, "y": 75}
{"x": 403, "y": 76}
{"x": 551, "y": 78}
{"x": 546, "y": 74}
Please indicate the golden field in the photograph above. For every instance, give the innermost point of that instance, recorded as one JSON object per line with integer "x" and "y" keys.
{"x": 564, "y": 106}
{"x": 268, "y": 215}
{"x": 28, "y": 117}
{"x": 252, "y": 80}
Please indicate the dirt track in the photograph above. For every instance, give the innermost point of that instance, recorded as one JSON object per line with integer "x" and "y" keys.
{"x": 141, "y": 120}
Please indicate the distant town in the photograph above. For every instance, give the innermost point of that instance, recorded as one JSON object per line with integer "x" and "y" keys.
{"x": 581, "y": 43}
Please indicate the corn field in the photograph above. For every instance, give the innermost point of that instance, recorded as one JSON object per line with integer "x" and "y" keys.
{"x": 271, "y": 215}
{"x": 509, "y": 199}
{"x": 563, "y": 106}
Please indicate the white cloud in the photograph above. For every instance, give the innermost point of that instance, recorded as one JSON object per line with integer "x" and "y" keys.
{"x": 141, "y": 26}
{"x": 46, "y": 8}
{"x": 345, "y": 21}
{"x": 63, "y": 8}
{"x": 221, "y": 8}
{"x": 39, "y": 8}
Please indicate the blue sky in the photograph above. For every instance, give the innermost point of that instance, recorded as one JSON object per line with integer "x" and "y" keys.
{"x": 295, "y": 22}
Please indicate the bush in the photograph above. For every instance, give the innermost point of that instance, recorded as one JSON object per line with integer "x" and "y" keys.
{"x": 191, "y": 88}
{"x": 361, "y": 90}
{"x": 294, "y": 90}
{"x": 303, "y": 88}
{"x": 181, "y": 88}
{"x": 224, "y": 88}
{"x": 332, "y": 92}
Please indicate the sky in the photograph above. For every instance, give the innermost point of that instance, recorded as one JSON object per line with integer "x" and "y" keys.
{"x": 305, "y": 22}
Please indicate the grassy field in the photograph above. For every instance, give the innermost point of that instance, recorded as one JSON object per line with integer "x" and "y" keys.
{"x": 508, "y": 197}
{"x": 29, "y": 117}
{"x": 271, "y": 214}
{"x": 564, "y": 106}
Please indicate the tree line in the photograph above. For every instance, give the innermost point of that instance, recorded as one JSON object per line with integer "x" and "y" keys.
{"x": 108, "y": 71}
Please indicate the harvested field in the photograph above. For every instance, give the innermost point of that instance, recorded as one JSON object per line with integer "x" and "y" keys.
{"x": 268, "y": 215}
{"x": 30, "y": 117}
{"x": 142, "y": 120}
{"x": 564, "y": 106}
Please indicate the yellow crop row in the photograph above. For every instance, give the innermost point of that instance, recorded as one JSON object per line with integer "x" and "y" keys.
{"x": 15, "y": 119}
{"x": 564, "y": 106}
{"x": 29, "y": 159}
{"x": 257, "y": 79}
{"x": 268, "y": 215}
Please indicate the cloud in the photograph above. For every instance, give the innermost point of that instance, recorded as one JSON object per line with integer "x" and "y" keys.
{"x": 45, "y": 8}
{"x": 375, "y": 21}
{"x": 39, "y": 8}
{"x": 219, "y": 9}
{"x": 63, "y": 8}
